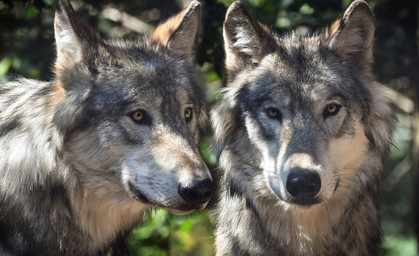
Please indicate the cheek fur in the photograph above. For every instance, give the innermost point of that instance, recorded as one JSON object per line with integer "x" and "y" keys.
{"x": 348, "y": 151}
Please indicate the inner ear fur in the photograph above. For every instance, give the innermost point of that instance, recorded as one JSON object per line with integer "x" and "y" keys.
{"x": 75, "y": 39}
{"x": 246, "y": 40}
{"x": 179, "y": 32}
{"x": 352, "y": 37}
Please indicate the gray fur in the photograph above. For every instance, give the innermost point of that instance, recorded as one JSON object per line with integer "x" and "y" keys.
{"x": 77, "y": 171}
{"x": 300, "y": 76}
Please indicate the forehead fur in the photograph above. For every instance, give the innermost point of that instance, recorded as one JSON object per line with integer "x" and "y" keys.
{"x": 129, "y": 66}
{"x": 132, "y": 74}
{"x": 141, "y": 53}
{"x": 304, "y": 67}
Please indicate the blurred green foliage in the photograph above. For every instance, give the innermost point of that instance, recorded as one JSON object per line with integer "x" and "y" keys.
{"x": 27, "y": 49}
{"x": 165, "y": 234}
{"x": 399, "y": 246}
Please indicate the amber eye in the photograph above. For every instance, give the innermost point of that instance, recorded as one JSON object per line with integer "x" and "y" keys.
{"x": 138, "y": 115}
{"x": 332, "y": 109}
{"x": 188, "y": 114}
{"x": 273, "y": 112}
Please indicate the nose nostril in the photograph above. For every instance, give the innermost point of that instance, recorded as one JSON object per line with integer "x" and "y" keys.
{"x": 206, "y": 196}
{"x": 303, "y": 183}
{"x": 292, "y": 189}
{"x": 312, "y": 189}
{"x": 190, "y": 196}
{"x": 197, "y": 193}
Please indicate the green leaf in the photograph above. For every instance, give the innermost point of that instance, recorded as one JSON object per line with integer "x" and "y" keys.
{"x": 5, "y": 65}
{"x": 31, "y": 13}
{"x": 306, "y": 9}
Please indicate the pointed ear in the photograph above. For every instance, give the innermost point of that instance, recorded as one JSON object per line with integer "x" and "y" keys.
{"x": 353, "y": 36}
{"x": 73, "y": 37}
{"x": 179, "y": 32}
{"x": 246, "y": 40}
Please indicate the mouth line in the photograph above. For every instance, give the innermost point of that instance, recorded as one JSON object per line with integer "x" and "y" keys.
{"x": 184, "y": 209}
{"x": 306, "y": 202}
{"x": 337, "y": 185}
{"x": 142, "y": 198}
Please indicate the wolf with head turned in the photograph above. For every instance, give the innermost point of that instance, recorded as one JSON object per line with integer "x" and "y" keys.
{"x": 114, "y": 134}
{"x": 300, "y": 135}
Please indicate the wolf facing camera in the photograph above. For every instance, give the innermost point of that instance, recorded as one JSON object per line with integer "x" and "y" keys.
{"x": 300, "y": 135}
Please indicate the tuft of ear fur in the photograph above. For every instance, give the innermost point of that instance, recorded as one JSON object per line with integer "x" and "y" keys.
{"x": 179, "y": 32}
{"x": 72, "y": 36}
{"x": 353, "y": 36}
{"x": 246, "y": 41}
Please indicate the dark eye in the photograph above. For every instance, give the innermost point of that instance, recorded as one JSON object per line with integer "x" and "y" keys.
{"x": 332, "y": 109}
{"x": 188, "y": 114}
{"x": 272, "y": 112}
{"x": 138, "y": 116}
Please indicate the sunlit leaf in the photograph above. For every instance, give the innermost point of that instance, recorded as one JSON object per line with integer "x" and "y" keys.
{"x": 5, "y": 65}
{"x": 306, "y": 9}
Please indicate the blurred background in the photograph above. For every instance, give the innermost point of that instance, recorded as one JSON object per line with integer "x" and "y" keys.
{"x": 27, "y": 49}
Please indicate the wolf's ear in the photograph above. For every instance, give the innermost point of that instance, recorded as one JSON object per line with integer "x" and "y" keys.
{"x": 73, "y": 37}
{"x": 179, "y": 32}
{"x": 246, "y": 40}
{"x": 353, "y": 36}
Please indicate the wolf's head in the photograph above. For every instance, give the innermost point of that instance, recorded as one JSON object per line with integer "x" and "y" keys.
{"x": 131, "y": 111}
{"x": 302, "y": 109}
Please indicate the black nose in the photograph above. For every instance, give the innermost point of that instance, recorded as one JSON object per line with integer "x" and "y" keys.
{"x": 196, "y": 192}
{"x": 303, "y": 184}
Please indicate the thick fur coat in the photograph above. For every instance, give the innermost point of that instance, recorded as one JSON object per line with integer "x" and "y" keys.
{"x": 114, "y": 134}
{"x": 300, "y": 135}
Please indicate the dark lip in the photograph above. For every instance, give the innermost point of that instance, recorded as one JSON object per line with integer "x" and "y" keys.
{"x": 185, "y": 208}
{"x": 306, "y": 202}
{"x": 337, "y": 185}
{"x": 138, "y": 194}
{"x": 142, "y": 198}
